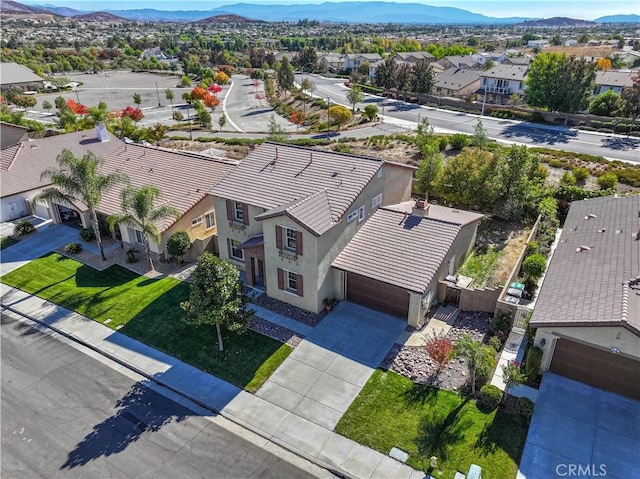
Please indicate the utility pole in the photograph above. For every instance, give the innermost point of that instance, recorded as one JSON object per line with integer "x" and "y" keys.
{"x": 158, "y": 93}
{"x": 328, "y": 105}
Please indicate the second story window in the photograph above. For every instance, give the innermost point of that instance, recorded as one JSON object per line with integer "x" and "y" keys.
{"x": 238, "y": 211}
{"x": 288, "y": 239}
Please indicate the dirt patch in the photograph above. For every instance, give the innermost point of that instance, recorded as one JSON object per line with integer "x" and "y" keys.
{"x": 229, "y": 152}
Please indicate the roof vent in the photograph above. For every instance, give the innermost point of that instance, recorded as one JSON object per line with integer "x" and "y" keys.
{"x": 590, "y": 216}
{"x": 334, "y": 174}
{"x": 602, "y": 230}
{"x": 101, "y": 132}
{"x": 582, "y": 248}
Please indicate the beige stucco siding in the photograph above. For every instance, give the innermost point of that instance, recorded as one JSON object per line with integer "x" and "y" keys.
{"x": 603, "y": 337}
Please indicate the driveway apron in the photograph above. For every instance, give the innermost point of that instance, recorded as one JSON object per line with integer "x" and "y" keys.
{"x": 328, "y": 369}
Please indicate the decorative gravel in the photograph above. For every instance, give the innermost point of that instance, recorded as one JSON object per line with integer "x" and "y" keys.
{"x": 293, "y": 312}
{"x": 415, "y": 363}
{"x": 185, "y": 274}
{"x": 275, "y": 331}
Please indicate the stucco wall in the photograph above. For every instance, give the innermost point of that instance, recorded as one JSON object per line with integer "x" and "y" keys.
{"x": 21, "y": 208}
{"x": 199, "y": 235}
{"x": 603, "y": 337}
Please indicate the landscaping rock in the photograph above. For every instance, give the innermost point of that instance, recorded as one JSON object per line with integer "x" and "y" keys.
{"x": 275, "y": 331}
{"x": 293, "y": 312}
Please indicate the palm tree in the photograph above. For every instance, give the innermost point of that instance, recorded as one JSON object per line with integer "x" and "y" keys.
{"x": 141, "y": 214}
{"x": 479, "y": 357}
{"x": 79, "y": 181}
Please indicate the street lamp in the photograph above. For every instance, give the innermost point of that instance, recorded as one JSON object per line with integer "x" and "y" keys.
{"x": 75, "y": 89}
{"x": 189, "y": 118}
{"x": 158, "y": 93}
{"x": 328, "y": 121}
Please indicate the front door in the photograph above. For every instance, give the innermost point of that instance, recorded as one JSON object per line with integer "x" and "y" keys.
{"x": 257, "y": 269}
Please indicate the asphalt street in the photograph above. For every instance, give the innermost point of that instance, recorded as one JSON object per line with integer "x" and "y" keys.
{"x": 66, "y": 415}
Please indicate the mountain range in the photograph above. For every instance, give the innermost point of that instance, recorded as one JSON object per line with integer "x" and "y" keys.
{"x": 340, "y": 12}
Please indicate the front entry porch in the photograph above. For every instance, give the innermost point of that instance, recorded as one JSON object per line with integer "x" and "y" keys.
{"x": 254, "y": 262}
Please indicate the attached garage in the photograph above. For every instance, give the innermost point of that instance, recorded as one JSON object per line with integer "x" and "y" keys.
{"x": 597, "y": 367}
{"x": 377, "y": 295}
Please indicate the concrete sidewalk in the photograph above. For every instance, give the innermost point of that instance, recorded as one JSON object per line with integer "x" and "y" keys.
{"x": 270, "y": 421}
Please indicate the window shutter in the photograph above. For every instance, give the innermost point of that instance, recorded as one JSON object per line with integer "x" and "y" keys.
{"x": 229, "y": 210}
{"x": 300, "y": 291}
{"x": 280, "y": 278}
{"x": 279, "y": 237}
{"x": 245, "y": 213}
{"x": 298, "y": 243}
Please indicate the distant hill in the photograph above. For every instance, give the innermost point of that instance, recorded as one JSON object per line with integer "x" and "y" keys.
{"x": 64, "y": 11}
{"x": 104, "y": 17}
{"x": 10, "y": 9}
{"x": 619, "y": 19}
{"x": 557, "y": 22}
{"x": 228, "y": 18}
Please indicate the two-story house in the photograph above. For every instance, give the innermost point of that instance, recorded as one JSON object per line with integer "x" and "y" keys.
{"x": 502, "y": 81}
{"x": 353, "y": 61}
{"x": 615, "y": 81}
{"x": 457, "y": 82}
{"x": 286, "y": 212}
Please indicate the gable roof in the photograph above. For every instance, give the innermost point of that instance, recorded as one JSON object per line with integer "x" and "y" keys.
{"x": 314, "y": 187}
{"x": 598, "y": 286}
{"x": 414, "y": 56}
{"x": 461, "y": 60}
{"x": 507, "y": 72}
{"x": 456, "y": 78}
{"x": 401, "y": 249}
{"x": 12, "y": 73}
{"x": 22, "y": 164}
{"x": 614, "y": 78}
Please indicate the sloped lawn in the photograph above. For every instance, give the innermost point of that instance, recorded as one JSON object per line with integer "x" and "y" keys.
{"x": 393, "y": 411}
{"x": 149, "y": 310}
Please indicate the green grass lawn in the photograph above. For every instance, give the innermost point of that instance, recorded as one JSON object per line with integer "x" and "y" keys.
{"x": 479, "y": 266}
{"x": 150, "y": 311}
{"x": 7, "y": 241}
{"x": 393, "y": 411}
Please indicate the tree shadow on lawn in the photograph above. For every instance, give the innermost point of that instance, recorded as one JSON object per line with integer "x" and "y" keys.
{"x": 506, "y": 432}
{"x": 87, "y": 277}
{"x": 438, "y": 431}
{"x": 139, "y": 412}
{"x": 420, "y": 395}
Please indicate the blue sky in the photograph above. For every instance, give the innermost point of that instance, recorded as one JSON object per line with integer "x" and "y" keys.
{"x": 583, "y": 9}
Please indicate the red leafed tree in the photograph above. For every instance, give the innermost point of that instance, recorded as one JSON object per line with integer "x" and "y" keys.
{"x": 440, "y": 349}
{"x": 76, "y": 108}
{"x": 260, "y": 97}
{"x": 198, "y": 93}
{"x": 214, "y": 88}
{"x": 297, "y": 118}
{"x": 134, "y": 113}
{"x": 210, "y": 100}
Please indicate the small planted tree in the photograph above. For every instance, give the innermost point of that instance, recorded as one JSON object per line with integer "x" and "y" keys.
{"x": 222, "y": 121}
{"x": 480, "y": 358}
{"x": 440, "y": 349}
{"x": 354, "y": 96}
{"x": 46, "y": 105}
{"x": 512, "y": 375}
{"x": 370, "y": 112}
{"x": 137, "y": 99}
{"x": 216, "y": 298}
{"x": 339, "y": 114}
{"x": 178, "y": 244}
{"x": 534, "y": 265}
{"x": 169, "y": 95}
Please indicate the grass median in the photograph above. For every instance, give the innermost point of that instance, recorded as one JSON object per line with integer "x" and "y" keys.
{"x": 392, "y": 411}
{"x": 149, "y": 310}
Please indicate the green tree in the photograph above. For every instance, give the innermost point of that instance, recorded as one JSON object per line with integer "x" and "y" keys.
{"x": 46, "y": 105}
{"x": 631, "y": 98}
{"x": 285, "y": 75}
{"x": 60, "y": 103}
{"x": 98, "y": 114}
{"x": 520, "y": 179}
{"x": 222, "y": 121}
{"x": 370, "y": 112}
{"x": 276, "y": 131}
{"x": 140, "y": 213}
{"x": 608, "y": 103}
{"x": 137, "y": 99}
{"x": 424, "y": 77}
{"x": 78, "y": 181}
{"x": 216, "y": 298}
{"x": 186, "y": 81}
{"x": 178, "y": 116}
{"x": 479, "y": 357}
{"x": 480, "y": 137}
{"x": 339, "y": 114}
{"x": 386, "y": 74}
{"x": 25, "y": 101}
{"x": 179, "y": 244}
{"x": 169, "y": 95}
{"x": 354, "y": 96}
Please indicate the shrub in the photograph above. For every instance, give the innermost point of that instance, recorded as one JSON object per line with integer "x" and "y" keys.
{"x": 525, "y": 407}
{"x": 73, "y": 248}
{"x": 178, "y": 244}
{"x": 489, "y": 397}
{"x": 568, "y": 179}
{"x": 87, "y": 234}
{"x": 495, "y": 342}
{"x": 343, "y": 148}
{"x": 534, "y": 265}
{"x": 132, "y": 255}
{"x": 500, "y": 325}
{"x": 532, "y": 364}
{"x": 458, "y": 141}
{"x": 443, "y": 142}
{"x": 581, "y": 174}
{"x": 23, "y": 227}
{"x": 607, "y": 181}
{"x": 440, "y": 349}
{"x": 533, "y": 247}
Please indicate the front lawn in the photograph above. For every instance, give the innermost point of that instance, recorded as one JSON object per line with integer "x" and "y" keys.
{"x": 393, "y": 411}
{"x": 149, "y": 310}
{"x": 7, "y": 241}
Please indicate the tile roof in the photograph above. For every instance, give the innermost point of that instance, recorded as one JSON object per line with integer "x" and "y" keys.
{"x": 599, "y": 286}
{"x": 22, "y": 164}
{"x": 14, "y": 73}
{"x": 442, "y": 213}
{"x": 409, "y": 56}
{"x": 456, "y": 78}
{"x": 399, "y": 249}
{"x": 314, "y": 187}
{"x": 461, "y": 60}
{"x": 614, "y": 78}
{"x": 507, "y": 72}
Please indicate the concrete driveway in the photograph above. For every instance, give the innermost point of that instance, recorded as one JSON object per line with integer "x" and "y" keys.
{"x": 328, "y": 369}
{"x": 579, "y": 431}
{"x": 37, "y": 244}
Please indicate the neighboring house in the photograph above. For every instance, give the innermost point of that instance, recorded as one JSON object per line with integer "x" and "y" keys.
{"x": 353, "y": 61}
{"x": 285, "y": 213}
{"x": 394, "y": 263}
{"x": 182, "y": 178}
{"x": 457, "y": 82}
{"x": 460, "y": 61}
{"x": 587, "y": 315}
{"x": 332, "y": 62}
{"x": 12, "y": 134}
{"x": 630, "y": 57}
{"x": 519, "y": 60}
{"x": 502, "y": 81}
{"x": 538, "y": 44}
{"x": 496, "y": 57}
{"x": 15, "y": 75}
{"x": 412, "y": 57}
{"x": 613, "y": 80}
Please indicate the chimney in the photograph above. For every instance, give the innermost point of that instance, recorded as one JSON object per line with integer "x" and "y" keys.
{"x": 420, "y": 208}
{"x": 101, "y": 132}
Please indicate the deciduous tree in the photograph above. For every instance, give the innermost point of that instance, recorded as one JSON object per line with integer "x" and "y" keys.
{"x": 339, "y": 114}
{"x": 354, "y": 96}
{"x": 440, "y": 349}
{"x": 178, "y": 244}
